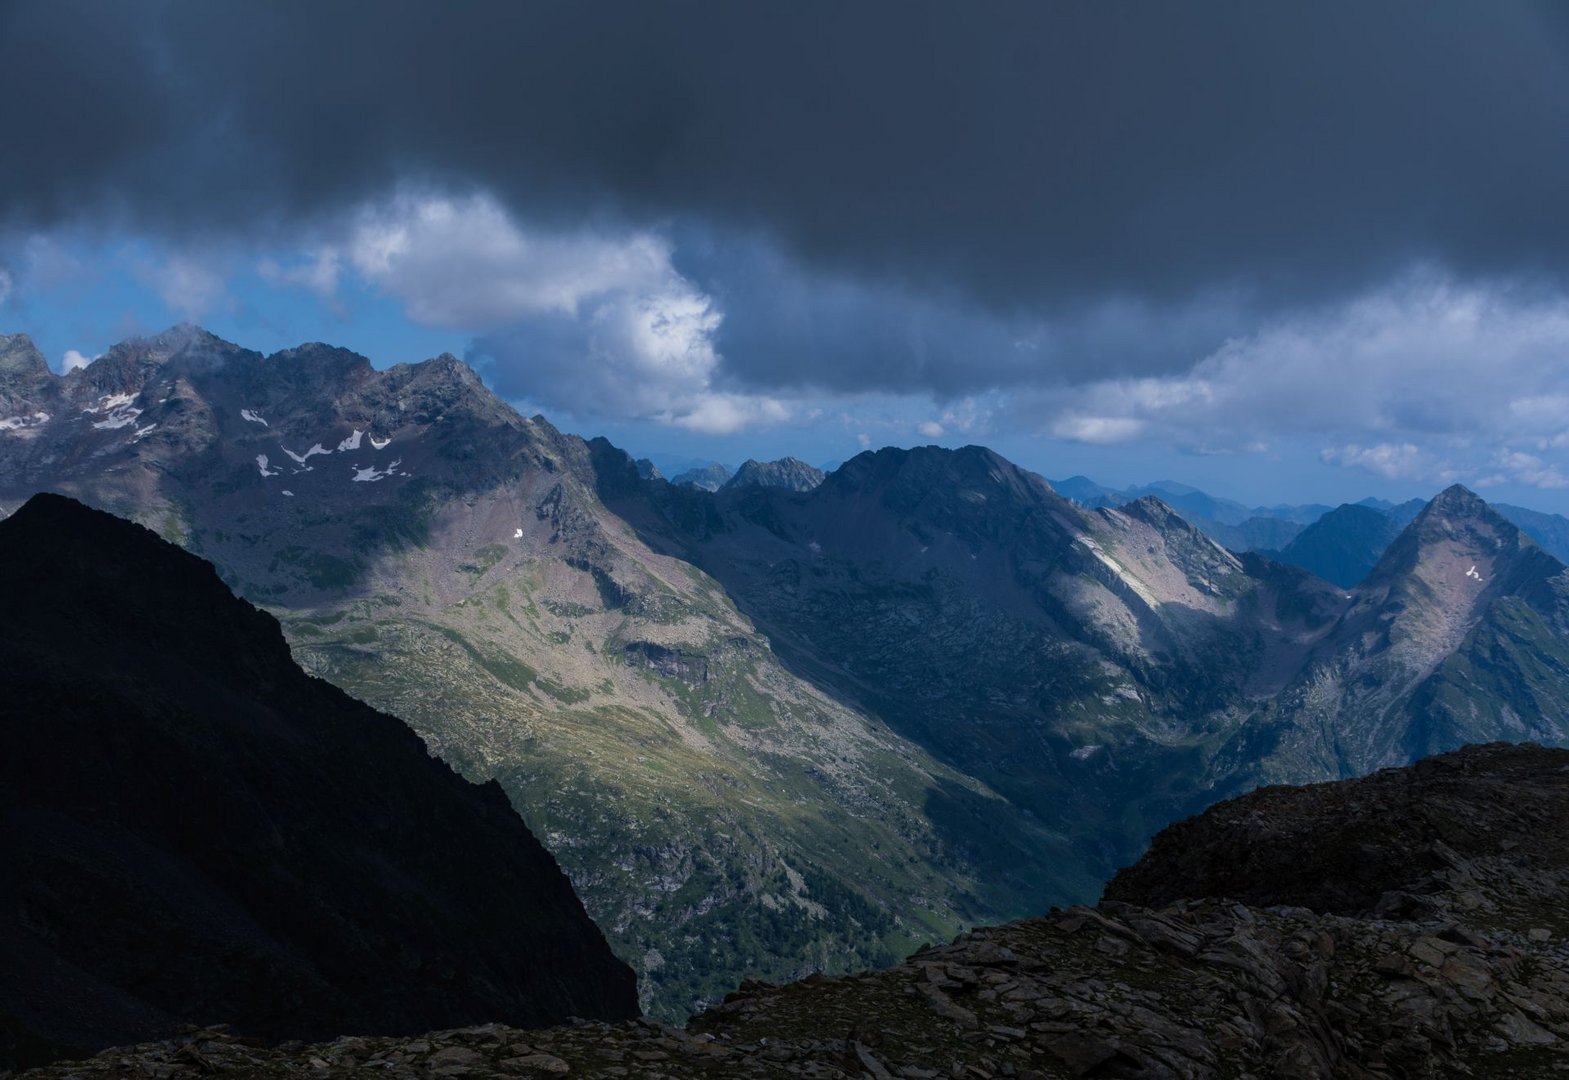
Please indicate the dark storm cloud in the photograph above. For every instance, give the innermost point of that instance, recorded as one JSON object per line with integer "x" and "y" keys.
{"x": 1019, "y": 157}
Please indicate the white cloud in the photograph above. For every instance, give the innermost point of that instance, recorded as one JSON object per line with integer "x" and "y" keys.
{"x": 319, "y": 272}
{"x": 1393, "y": 461}
{"x": 930, "y": 429}
{"x": 73, "y": 360}
{"x": 1424, "y": 380}
{"x": 190, "y": 284}
{"x": 1097, "y": 429}
{"x": 1530, "y": 470}
{"x": 1426, "y": 357}
{"x": 465, "y": 264}
{"x": 589, "y": 323}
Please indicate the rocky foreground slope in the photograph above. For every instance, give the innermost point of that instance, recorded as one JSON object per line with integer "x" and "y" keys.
{"x": 194, "y": 830}
{"x": 1415, "y": 926}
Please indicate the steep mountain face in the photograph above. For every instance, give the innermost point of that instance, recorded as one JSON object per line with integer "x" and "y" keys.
{"x": 1410, "y": 924}
{"x": 451, "y": 562}
{"x": 1457, "y": 635}
{"x": 1116, "y": 668}
{"x": 192, "y": 830}
{"x": 1344, "y": 545}
{"x": 1083, "y": 664}
{"x": 791, "y": 474}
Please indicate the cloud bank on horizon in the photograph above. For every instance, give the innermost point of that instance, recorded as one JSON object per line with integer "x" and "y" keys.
{"x": 1318, "y": 237}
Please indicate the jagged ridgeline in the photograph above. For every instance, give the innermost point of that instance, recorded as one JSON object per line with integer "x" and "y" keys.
{"x": 765, "y": 730}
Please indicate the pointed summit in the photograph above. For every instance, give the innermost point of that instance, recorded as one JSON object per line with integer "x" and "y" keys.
{"x": 1457, "y": 498}
{"x": 20, "y": 358}
{"x": 1456, "y": 527}
{"x": 789, "y": 473}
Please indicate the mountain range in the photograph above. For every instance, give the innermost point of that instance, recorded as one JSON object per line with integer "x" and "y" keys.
{"x": 1343, "y": 550}
{"x": 770, "y": 731}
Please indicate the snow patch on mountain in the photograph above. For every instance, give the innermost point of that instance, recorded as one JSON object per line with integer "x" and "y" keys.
{"x": 380, "y": 444}
{"x": 18, "y": 423}
{"x": 120, "y": 418}
{"x": 110, "y": 402}
{"x": 261, "y": 463}
{"x": 254, "y": 417}
{"x": 352, "y": 442}
{"x": 372, "y": 474}
{"x": 300, "y": 459}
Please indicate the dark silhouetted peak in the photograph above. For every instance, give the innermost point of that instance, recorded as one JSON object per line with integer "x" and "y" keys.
{"x": 1344, "y": 545}
{"x": 936, "y": 471}
{"x": 193, "y": 830}
{"x": 706, "y": 477}
{"x": 791, "y": 474}
{"x": 973, "y": 493}
{"x": 648, "y": 470}
{"x": 20, "y": 359}
{"x": 137, "y": 585}
{"x": 316, "y": 364}
{"x": 615, "y": 470}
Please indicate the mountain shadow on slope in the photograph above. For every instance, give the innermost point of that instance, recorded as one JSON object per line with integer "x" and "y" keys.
{"x": 192, "y": 830}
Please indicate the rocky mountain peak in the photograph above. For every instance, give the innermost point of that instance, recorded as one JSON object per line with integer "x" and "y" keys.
{"x": 20, "y": 359}
{"x": 318, "y": 364}
{"x": 55, "y": 538}
{"x": 1457, "y": 533}
{"x": 789, "y": 473}
{"x": 973, "y": 472}
{"x": 1154, "y": 512}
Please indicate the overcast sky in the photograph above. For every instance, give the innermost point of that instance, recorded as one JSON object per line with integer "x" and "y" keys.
{"x": 1285, "y": 253}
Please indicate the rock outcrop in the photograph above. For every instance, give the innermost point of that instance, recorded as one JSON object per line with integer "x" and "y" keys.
{"x": 193, "y": 830}
{"x": 791, "y": 474}
{"x": 1471, "y": 981}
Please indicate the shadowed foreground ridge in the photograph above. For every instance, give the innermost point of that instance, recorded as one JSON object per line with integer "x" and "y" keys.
{"x": 192, "y": 830}
{"x": 1370, "y": 845}
{"x": 1462, "y": 971}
